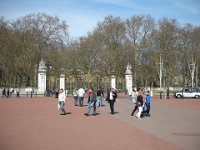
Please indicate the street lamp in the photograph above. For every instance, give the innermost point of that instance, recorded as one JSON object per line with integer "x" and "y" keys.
{"x": 160, "y": 70}
{"x": 192, "y": 69}
{"x": 48, "y": 66}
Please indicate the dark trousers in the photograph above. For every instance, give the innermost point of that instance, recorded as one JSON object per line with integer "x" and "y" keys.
{"x": 148, "y": 108}
{"x": 112, "y": 102}
{"x": 134, "y": 110}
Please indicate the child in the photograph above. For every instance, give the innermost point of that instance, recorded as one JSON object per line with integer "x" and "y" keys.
{"x": 148, "y": 101}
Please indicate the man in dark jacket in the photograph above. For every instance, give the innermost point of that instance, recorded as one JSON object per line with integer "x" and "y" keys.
{"x": 111, "y": 98}
{"x": 140, "y": 104}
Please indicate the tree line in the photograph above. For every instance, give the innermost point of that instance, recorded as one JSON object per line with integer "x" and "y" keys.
{"x": 114, "y": 42}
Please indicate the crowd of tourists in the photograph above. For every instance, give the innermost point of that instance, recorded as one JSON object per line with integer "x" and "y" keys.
{"x": 137, "y": 96}
{"x": 141, "y": 102}
{"x": 95, "y": 99}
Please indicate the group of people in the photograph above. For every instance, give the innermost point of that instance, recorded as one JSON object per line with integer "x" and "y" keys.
{"x": 95, "y": 99}
{"x": 141, "y": 102}
{"x": 9, "y": 92}
{"x": 137, "y": 96}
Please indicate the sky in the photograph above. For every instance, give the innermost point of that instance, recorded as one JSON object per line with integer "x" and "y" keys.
{"x": 82, "y": 16}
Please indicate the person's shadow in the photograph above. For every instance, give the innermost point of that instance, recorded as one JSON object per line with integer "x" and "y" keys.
{"x": 67, "y": 113}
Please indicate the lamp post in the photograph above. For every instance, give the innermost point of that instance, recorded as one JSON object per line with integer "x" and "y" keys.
{"x": 192, "y": 69}
{"x": 48, "y": 66}
{"x": 160, "y": 70}
{"x": 197, "y": 75}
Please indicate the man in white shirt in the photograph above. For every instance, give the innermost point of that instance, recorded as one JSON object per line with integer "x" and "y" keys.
{"x": 81, "y": 93}
{"x": 61, "y": 102}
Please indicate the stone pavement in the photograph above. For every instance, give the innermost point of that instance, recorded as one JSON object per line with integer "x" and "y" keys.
{"x": 35, "y": 124}
{"x": 175, "y": 121}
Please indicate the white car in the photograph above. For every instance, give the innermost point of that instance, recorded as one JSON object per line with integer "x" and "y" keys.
{"x": 188, "y": 93}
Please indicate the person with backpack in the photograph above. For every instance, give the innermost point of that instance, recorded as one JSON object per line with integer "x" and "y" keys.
{"x": 91, "y": 103}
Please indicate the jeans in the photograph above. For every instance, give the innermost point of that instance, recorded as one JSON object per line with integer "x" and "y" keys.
{"x": 62, "y": 108}
{"x": 90, "y": 105}
{"x": 99, "y": 101}
{"x": 75, "y": 100}
{"x": 80, "y": 101}
{"x": 130, "y": 98}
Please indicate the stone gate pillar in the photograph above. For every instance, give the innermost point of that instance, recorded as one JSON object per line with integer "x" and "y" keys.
{"x": 42, "y": 77}
{"x": 113, "y": 81}
{"x": 128, "y": 77}
{"x": 62, "y": 82}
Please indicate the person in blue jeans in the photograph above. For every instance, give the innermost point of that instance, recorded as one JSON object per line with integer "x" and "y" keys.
{"x": 148, "y": 101}
{"x": 100, "y": 96}
{"x": 91, "y": 103}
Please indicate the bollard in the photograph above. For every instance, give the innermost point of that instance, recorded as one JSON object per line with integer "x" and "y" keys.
{"x": 151, "y": 93}
{"x": 31, "y": 94}
{"x": 160, "y": 95}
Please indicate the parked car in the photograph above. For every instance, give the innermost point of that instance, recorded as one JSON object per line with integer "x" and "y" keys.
{"x": 188, "y": 92}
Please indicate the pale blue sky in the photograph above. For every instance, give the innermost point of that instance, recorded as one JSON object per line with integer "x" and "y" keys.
{"x": 83, "y": 15}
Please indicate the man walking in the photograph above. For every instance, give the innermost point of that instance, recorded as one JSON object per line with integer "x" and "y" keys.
{"x": 81, "y": 93}
{"x": 111, "y": 98}
{"x": 91, "y": 103}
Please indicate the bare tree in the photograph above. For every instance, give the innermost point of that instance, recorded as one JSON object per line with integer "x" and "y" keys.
{"x": 32, "y": 38}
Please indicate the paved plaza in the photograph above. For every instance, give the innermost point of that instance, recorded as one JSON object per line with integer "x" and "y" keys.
{"x": 35, "y": 124}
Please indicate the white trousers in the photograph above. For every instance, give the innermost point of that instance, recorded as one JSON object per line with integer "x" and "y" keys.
{"x": 139, "y": 112}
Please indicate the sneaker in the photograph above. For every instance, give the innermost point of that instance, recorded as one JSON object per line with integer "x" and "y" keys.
{"x": 86, "y": 114}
